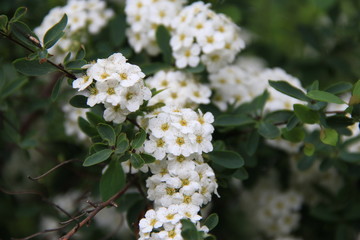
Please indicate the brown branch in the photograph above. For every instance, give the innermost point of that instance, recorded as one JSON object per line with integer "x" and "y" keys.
{"x": 97, "y": 210}
{"x": 52, "y": 169}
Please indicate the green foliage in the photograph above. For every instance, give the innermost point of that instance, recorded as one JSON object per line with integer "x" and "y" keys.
{"x": 107, "y": 133}
{"x": 233, "y": 120}
{"x": 56, "y": 89}
{"x": 329, "y": 136}
{"x": 227, "y": 159}
{"x": 288, "y": 89}
{"x": 19, "y": 13}
{"x": 189, "y": 231}
{"x": 139, "y": 139}
{"x": 3, "y": 22}
{"x": 163, "y": 40}
{"x": 324, "y": 96}
{"x": 136, "y": 160}
{"x": 211, "y": 221}
{"x": 55, "y": 32}
{"x": 79, "y": 101}
{"x": 97, "y": 157}
{"x": 122, "y": 144}
{"x": 268, "y": 130}
{"x": 33, "y": 67}
{"x": 305, "y": 114}
{"x": 112, "y": 181}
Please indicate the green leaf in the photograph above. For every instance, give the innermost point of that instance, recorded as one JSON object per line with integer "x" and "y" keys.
{"x": 117, "y": 29}
{"x": 81, "y": 53}
{"x": 268, "y": 130}
{"x": 241, "y": 174}
{"x": 147, "y": 158}
{"x": 252, "y": 142}
{"x": 107, "y": 133}
{"x": 94, "y": 119}
{"x": 305, "y": 114}
{"x": 339, "y": 87}
{"x": 288, "y": 89}
{"x": 97, "y": 147}
{"x": 55, "y": 32}
{"x": 227, "y": 159}
{"x": 139, "y": 139}
{"x": 324, "y": 96}
{"x": 154, "y": 67}
{"x": 86, "y": 127}
{"x": 56, "y": 89}
{"x": 295, "y": 135}
{"x": 233, "y": 120}
{"x": 259, "y": 102}
{"x": 350, "y": 157}
{"x": 13, "y": 86}
{"x": 79, "y": 101}
{"x": 3, "y": 23}
{"x": 97, "y": 157}
{"x": 75, "y": 64}
{"x": 23, "y": 33}
{"x": 112, "y": 181}
{"x": 33, "y": 68}
{"x": 136, "y": 161}
{"x": 293, "y": 122}
{"x": 309, "y": 149}
{"x": 339, "y": 121}
{"x": 329, "y": 136}
{"x": 163, "y": 40}
{"x": 19, "y": 13}
{"x": 356, "y": 90}
{"x": 189, "y": 230}
{"x": 122, "y": 144}
{"x": 212, "y": 221}
{"x": 278, "y": 116}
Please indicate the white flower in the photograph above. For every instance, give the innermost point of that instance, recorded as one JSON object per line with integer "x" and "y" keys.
{"x": 82, "y": 82}
{"x": 169, "y": 214}
{"x": 150, "y": 221}
{"x": 187, "y": 56}
{"x": 115, "y": 113}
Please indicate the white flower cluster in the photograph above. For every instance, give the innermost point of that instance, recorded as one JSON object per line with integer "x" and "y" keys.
{"x": 179, "y": 131}
{"x": 115, "y": 83}
{"x": 178, "y": 187}
{"x": 144, "y": 16}
{"x": 71, "y": 115}
{"x": 274, "y": 213}
{"x": 84, "y": 16}
{"x": 241, "y": 82}
{"x": 180, "y": 89}
{"x": 201, "y": 34}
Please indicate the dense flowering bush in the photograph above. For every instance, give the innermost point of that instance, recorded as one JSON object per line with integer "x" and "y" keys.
{"x": 168, "y": 127}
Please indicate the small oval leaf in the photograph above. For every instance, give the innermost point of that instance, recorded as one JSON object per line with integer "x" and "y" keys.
{"x": 97, "y": 157}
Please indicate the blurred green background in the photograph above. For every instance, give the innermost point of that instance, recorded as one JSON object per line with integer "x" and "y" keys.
{"x": 310, "y": 39}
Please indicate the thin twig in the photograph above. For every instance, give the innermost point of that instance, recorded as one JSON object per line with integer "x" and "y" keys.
{"x": 52, "y": 169}
{"x": 58, "y": 66}
{"x": 43, "y": 198}
{"x": 40, "y": 233}
{"x": 97, "y": 210}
